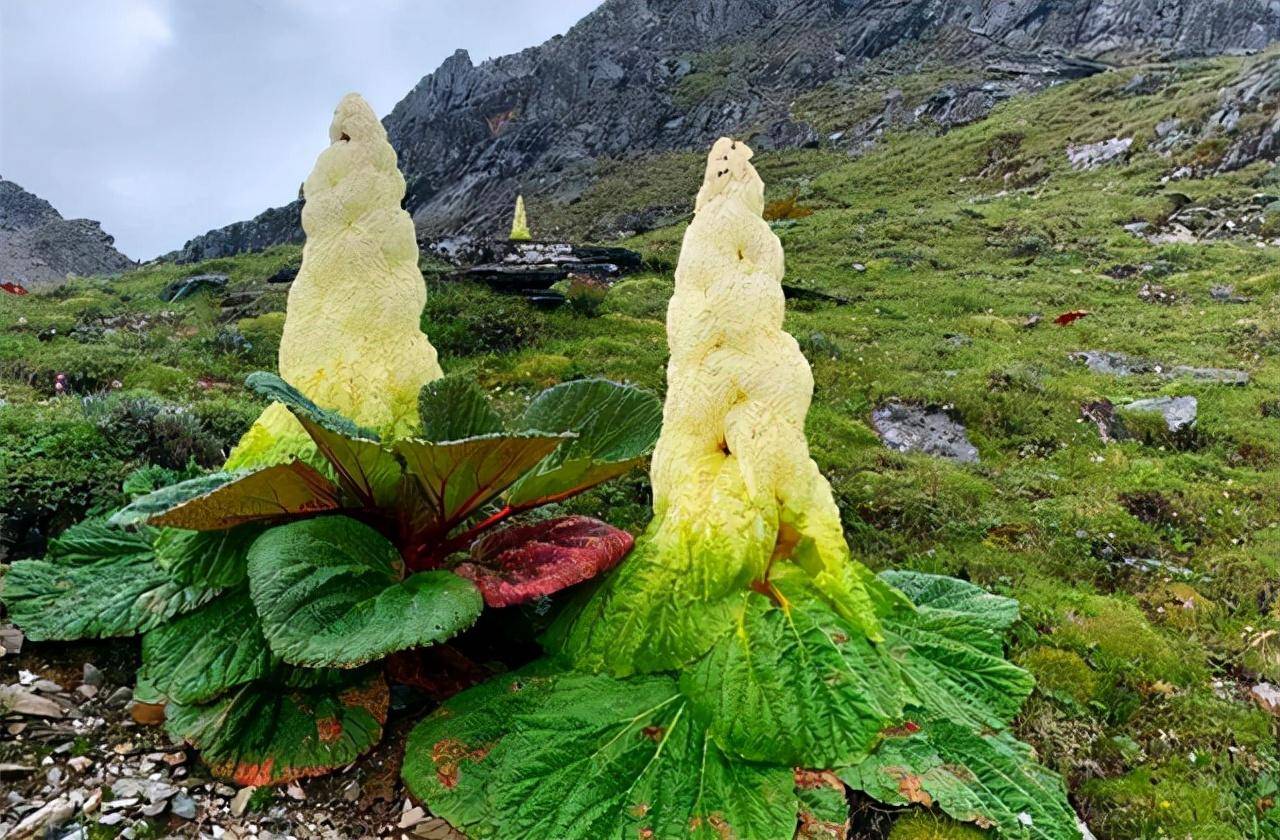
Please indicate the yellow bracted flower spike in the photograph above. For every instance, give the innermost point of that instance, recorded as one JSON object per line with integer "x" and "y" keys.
{"x": 352, "y": 340}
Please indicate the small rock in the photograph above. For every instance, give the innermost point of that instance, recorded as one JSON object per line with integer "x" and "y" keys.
{"x": 111, "y": 819}
{"x": 11, "y": 639}
{"x": 437, "y": 829}
{"x": 1094, "y": 155}
{"x": 294, "y": 791}
{"x": 1113, "y": 364}
{"x": 183, "y": 806}
{"x": 1267, "y": 696}
{"x": 911, "y": 428}
{"x": 1138, "y": 228}
{"x": 11, "y": 769}
{"x": 40, "y": 821}
{"x": 241, "y": 801}
{"x": 1219, "y": 376}
{"x": 87, "y": 691}
{"x": 92, "y": 676}
{"x": 351, "y": 791}
{"x": 47, "y": 687}
{"x": 154, "y": 809}
{"x": 1179, "y": 412}
{"x": 21, "y": 702}
{"x": 120, "y": 697}
{"x": 1222, "y": 294}
{"x": 80, "y": 763}
{"x": 412, "y": 817}
{"x": 859, "y": 267}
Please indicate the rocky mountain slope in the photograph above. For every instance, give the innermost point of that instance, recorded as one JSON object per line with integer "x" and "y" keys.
{"x": 641, "y": 76}
{"x": 39, "y": 247}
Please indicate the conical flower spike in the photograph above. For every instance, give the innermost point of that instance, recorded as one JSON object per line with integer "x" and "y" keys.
{"x": 352, "y": 341}
{"x": 520, "y": 223}
{"x": 734, "y": 488}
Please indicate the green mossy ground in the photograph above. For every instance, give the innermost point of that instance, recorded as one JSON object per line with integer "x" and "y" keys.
{"x": 1144, "y": 675}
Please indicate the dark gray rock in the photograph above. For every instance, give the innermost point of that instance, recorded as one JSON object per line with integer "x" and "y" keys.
{"x": 39, "y": 248}
{"x": 639, "y": 76}
{"x": 928, "y": 429}
{"x": 1217, "y": 376}
{"x": 1114, "y": 364}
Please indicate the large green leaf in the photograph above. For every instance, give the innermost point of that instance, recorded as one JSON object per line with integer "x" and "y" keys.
{"x": 615, "y": 425}
{"x": 957, "y": 608}
{"x": 329, "y": 593}
{"x": 457, "y": 478}
{"x": 96, "y": 582}
{"x": 576, "y": 756}
{"x": 224, "y": 500}
{"x": 990, "y": 779}
{"x": 657, "y": 611}
{"x": 947, "y": 659}
{"x": 267, "y": 733}
{"x": 796, "y": 684}
{"x": 363, "y": 466}
{"x": 454, "y": 408}
{"x": 196, "y": 657}
{"x": 206, "y": 558}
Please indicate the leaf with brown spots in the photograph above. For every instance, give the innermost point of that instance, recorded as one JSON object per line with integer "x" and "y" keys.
{"x": 268, "y": 733}
{"x": 578, "y": 757}
{"x": 990, "y": 779}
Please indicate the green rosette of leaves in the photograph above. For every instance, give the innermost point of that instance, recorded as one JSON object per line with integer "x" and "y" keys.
{"x": 740, "y": 653}
{"x": 269, "y": 594}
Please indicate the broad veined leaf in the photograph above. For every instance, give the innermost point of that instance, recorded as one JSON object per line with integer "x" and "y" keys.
{"x": 796, "y": 684}
{"x": 457, "y": 478}
{"x": 615, "y": 425}
{"x": 329, "y": 593}
{"x": 454, "y": 408}
{"x": 445, "y": 754}
{"x": 224, "y": 500}
{"x": 947, "y": 660}
{"x": 658, "y": 611}
{"x": 97, "y": 582}
{"x": 958, "y": 608}
{"x": 524, "y": 562}
{"x": 95, "y": 539}
{"x": 363, "y": 466}
{"x": 196, "y": 657}
{"x": 990, "y": 779}
{"x": 268, "y": 733}
{"x": 206, "y": 558}
{"x": 576, "y": 756}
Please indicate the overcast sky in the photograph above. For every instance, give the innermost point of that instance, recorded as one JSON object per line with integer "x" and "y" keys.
{"x": 165, "y": 118}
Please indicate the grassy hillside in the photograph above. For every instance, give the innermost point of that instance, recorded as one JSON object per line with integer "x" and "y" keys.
{"x": 1148, "y": 569}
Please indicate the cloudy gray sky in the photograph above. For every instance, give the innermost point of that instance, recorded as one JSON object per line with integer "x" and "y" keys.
{"x": 165, "y": 118}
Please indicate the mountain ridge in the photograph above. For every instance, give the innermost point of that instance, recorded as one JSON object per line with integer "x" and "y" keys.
{"x": 38, "y": 247}
{"x": 670, "y": 75}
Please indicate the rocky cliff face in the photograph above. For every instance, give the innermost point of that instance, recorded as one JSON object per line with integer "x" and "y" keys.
{"x": 40, "y": 248}
{"x": 658, "y": 75}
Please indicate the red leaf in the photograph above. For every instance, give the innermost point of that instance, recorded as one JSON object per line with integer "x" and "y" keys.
{"x": 1070, "y": 317}
{"x": 525, "y": 562}
{"x": 13, "y": 288}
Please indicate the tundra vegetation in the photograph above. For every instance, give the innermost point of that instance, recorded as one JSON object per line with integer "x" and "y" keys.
{"x": 1144, "y": 568}
{"x": 269, "y": 592}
